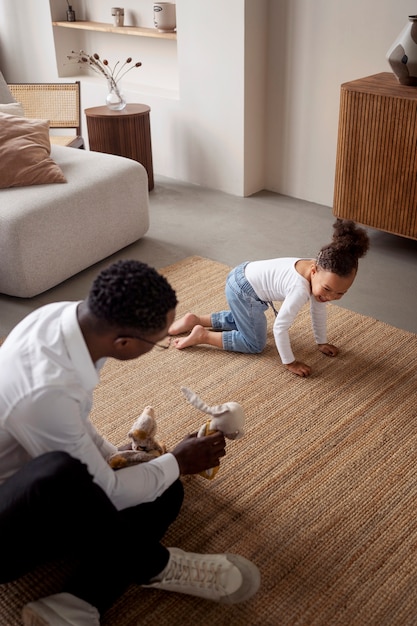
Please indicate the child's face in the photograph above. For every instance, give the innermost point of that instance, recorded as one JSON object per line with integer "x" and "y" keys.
{"x": 326, "y": 286}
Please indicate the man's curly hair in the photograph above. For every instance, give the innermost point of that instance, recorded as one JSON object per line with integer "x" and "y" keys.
{"x": 349, "y": 244}
{"x": 131, "y": 294}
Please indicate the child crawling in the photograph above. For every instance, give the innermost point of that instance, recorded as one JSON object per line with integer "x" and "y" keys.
{"x": 253, "y": 286}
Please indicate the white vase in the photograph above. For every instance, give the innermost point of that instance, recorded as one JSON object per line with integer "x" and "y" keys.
{"x": 115, "y": 99}
{"x": 402, "y": 55}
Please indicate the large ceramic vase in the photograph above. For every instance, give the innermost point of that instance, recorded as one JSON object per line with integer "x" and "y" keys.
{"x": 402, "y": 56}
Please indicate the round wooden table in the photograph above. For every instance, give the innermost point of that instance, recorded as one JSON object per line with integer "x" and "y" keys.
{"x": 126, "y": 133}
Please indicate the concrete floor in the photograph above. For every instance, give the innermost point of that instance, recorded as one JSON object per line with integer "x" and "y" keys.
{"x": 188, "y": 220}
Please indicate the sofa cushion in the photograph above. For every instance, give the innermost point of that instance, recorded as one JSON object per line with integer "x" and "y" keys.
{"x": 50, "y": 232}
{"x": 12, "y": 108}
{"x": 5, "y": 93}
{"x": 25, "y": 151}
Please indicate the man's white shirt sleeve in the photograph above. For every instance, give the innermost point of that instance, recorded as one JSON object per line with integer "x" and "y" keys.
{"x": 46, "y": 393}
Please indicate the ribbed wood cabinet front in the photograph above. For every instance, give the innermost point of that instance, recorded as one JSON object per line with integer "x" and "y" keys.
{"x": 376, "y": 162}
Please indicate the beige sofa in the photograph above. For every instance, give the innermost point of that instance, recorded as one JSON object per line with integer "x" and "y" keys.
{"x": 50, "y": 232}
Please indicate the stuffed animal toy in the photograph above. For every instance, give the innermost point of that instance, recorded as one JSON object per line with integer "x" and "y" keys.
{"x": 228, "y": 418}
{"x": 144, "y": 445}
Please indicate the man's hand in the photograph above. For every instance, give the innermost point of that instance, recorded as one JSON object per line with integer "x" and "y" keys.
{"x": 299, "y": 368}
{"x": 328, "y": 349}
{"x": 196, "y": 454}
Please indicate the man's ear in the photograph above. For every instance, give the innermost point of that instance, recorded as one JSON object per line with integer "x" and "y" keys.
{"x": 121, "y": 341}
{"x": 121, "y": 344}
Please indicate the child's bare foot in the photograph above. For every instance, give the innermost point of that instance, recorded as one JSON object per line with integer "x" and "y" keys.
{"x": 184, "y": 324}
{"x": 198, "y": 335}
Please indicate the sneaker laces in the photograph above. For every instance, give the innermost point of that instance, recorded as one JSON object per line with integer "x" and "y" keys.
{"x": 185, "y": 571}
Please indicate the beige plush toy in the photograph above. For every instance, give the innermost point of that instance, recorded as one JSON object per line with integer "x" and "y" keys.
{"x": 228, "y": 418}
{"x": 144, "y": 445}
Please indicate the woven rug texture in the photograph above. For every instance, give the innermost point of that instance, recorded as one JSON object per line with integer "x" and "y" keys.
{"x": 320, "y": 493}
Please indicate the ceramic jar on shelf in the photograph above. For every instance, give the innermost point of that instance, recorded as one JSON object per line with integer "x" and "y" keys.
{"x": 164, "y": 16}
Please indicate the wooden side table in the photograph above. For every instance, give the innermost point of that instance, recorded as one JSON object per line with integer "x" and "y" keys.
{"x": 376, "y": 164}
{"x": 125, "y": 133}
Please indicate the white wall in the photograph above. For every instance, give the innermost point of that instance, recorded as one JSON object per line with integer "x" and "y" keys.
{"x": 195, "y": 86}
{"x": 247, "y": 98}
{"x": 314, "y": 46}
{"x": 255, "y": 95}
{"x": 26, "y": 42}
{"x": 211, "y": 69}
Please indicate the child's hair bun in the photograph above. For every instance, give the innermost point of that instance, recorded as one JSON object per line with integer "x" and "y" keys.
{"x": 350, "y": 236}
{"x": 350, "y": 242}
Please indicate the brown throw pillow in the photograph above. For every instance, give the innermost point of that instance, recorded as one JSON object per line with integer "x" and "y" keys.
{"x": 25, "y": 151}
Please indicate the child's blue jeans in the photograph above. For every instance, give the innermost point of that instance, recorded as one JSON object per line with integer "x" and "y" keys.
{"x": 246, "y": 319}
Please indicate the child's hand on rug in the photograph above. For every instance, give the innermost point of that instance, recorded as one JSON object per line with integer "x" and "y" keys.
{"x": 328, "y": 349}
{"x": 197, "y": 454}
{"x": 299, "y": 368}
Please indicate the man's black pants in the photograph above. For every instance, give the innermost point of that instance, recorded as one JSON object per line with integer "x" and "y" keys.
{"x": 51, "y": 509}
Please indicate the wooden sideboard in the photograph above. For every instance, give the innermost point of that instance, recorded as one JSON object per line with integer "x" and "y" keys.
{"x": 376, "y": 162}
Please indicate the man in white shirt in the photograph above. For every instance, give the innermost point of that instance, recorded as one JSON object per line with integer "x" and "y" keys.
{"x": 58, "y": 494}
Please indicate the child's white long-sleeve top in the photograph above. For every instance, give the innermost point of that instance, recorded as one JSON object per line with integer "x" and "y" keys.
{"x": 278, "y": 280}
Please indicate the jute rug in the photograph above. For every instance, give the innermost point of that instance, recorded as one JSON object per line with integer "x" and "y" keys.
{"x": 321, "y": 492}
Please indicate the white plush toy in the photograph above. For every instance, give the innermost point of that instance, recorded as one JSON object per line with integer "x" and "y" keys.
{"x": 228, "y": 418}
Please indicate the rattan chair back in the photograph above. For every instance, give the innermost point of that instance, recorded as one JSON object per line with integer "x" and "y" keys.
{"x": 57, "y": 102}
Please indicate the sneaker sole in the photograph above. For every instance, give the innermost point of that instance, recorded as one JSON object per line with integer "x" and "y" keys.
{"x": 251, "y": 580}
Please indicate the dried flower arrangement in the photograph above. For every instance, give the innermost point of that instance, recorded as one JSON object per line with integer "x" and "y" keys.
{"x": 102, "y": 67}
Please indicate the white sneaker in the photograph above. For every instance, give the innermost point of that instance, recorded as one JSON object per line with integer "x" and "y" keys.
{"x": 61, "y": 609}
{"x": 224, "y": 578}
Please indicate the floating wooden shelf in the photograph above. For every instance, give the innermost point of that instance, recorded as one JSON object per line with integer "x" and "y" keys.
{"x": 136, "y": 31}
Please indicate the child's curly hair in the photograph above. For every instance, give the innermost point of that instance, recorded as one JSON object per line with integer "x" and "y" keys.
{"x": 349, "y": 244}
{"x": 131, "y": 294}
